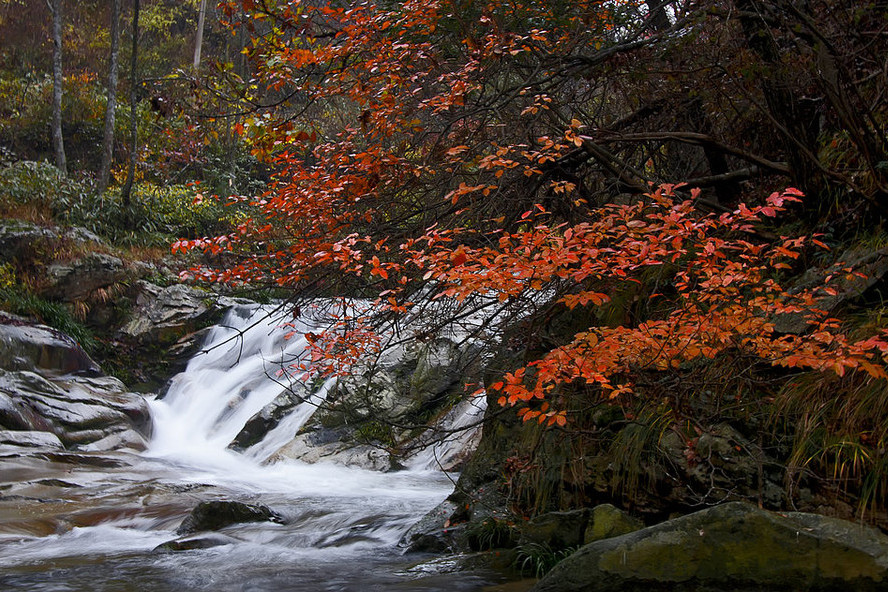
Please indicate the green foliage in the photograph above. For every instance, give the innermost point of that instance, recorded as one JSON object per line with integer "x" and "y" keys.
{"x": 20, "y": 300}
{"x": 40, "y": 188}
{"x": 841, "y": 439}
{"x": 179, "y": 210}
{"x": 156, "y": 215}
{"x": 538, "y": 559}
{"x": 7, "y": 276}
{"x": 636, "y": 449}
{"x": 25, "y": 112}
{"x": 491, "y": 533}
{"x": 374, "y": 431}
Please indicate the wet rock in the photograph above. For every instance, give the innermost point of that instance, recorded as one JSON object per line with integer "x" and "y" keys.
{"x": 379, "y": 412}
{"x": 38, "y": 348}
{"x": 434, "y": 533}
{"x": 258, "y": 426}
{"x": 15, "y": 416}
{"x": 110, "y": 392}
{"x": 213, "y": 515}
{"x": 126, "y": 439}
{"x": 80, "y": 411}
{"x": 78, "y": 279}
{"x": 735, "y": 546}
{"x": 405, "y": 384}
{"x": 85, "y": 459}
{"x": 58, "y": 483}
{"x": 30, "y": 439}
{"x": 165, "y": 315}
{"x": 307, "y": 448}
{"x": 203, "y": 541}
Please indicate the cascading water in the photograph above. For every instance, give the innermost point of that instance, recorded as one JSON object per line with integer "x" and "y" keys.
{"x": 341, "y": 524}
{"x": 222, "y": 388}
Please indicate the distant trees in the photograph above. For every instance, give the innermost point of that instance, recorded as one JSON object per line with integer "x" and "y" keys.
{"x": 198, "y": 40}
{"x": 92, "y": 40}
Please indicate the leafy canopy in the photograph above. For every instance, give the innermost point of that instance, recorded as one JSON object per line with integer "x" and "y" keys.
{"x": 446, "y": 150}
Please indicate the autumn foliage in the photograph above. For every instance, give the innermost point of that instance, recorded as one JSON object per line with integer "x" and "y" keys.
{"x": 446, "y": 151}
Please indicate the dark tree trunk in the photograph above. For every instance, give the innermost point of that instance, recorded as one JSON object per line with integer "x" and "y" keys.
{"x": 111, "y": 94}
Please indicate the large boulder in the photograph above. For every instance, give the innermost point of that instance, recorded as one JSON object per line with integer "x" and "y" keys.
{"x": 268, "y": 418}
{"x": 48, "y": 384}
{"x": 17, "y": 238}
{"x": 337, "y": 447}
{"x": 78, "y": 279}
{"x": 607, "y": 521}
{"x": 165, "y": 315}
{"x": 31, "y": 243}
{"x": 378, "y": 413}
{"x": 38, "y": 348}
{"x": 556, "y": 530}
{"x": 91, "y": 413}
{"x": 732, "y": 547}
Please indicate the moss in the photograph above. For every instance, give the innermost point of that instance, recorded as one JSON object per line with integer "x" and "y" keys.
{"x": 375, "y": 431}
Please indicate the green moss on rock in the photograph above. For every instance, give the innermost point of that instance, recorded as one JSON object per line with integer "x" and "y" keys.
{"x": 734, "y": 546}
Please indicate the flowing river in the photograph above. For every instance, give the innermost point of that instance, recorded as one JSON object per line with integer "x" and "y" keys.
{"x": 72, "y": 521}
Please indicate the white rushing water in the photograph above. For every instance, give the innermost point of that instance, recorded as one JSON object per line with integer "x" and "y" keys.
{"x": 232, "y": 379}
{"x": 341, "y": 526}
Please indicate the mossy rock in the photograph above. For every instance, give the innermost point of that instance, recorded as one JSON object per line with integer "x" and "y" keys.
{"x": 556, "y": 530}
{"x": 732, "y": 547}
{"x": 607, "y": 521}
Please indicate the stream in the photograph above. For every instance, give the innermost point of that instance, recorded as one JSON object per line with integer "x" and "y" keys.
{"x": 78, "y": 521}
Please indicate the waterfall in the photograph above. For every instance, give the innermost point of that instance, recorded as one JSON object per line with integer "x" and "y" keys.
{"x": 235, "y": 376}
{"x": 456, "y": 434}
{"x": 341, "y": 525}
{"x": 232, "y": 379}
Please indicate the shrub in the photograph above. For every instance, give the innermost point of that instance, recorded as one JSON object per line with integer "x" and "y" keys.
{"x": 19, "y": 300}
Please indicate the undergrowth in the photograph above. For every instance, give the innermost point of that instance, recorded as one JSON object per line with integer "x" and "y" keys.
{"x": 20, "y": 301}
{"x": 154, "y": 217}
{"x": 538, "y": 559}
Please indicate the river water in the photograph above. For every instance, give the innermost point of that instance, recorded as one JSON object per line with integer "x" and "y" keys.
{"x": 91, "y": 521}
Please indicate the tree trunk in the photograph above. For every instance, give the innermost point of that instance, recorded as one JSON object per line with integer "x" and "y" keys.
{"x": 58, "y": 142}
{"x": 127, "y": 190}
{"x": 111, "y": 105}
{"x": 198, "y": 42}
